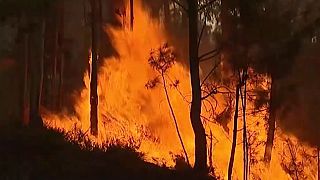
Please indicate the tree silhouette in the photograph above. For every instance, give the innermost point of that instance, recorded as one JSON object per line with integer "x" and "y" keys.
{"x": 162, "y": 60}
{"x": 95, "y": 31}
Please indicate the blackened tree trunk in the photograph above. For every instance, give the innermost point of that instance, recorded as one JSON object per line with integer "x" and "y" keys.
{"x": 198, "y": 129}
{"x": 245, "y": 139}
{"x": 228, "y": 43}
{"x": 318, "y": 155}
{"x": 55, "y": 79}
{"x": 166, "y": 12}
{"x": 235, "y": 131}
{"x": 26, "y": 102}
{"x": 41, "y": 59}
{"x": 131, "y": 15}
{"x": 60, "y": 27}
{"x": 271, "y": 123}
{"x": 95, "y": 30}
{"x": 36, "y": 72}
{"x": 23, "y": 56}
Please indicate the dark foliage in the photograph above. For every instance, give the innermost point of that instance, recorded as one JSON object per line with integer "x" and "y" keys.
{"x": 28, "y": 153}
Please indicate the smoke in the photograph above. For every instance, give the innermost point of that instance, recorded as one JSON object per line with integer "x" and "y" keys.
{"x": 77, "y": 35}
{"x": 175, "y": 21}
{"x": 299, "y": 113}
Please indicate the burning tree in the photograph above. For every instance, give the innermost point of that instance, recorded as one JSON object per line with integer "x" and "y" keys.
{"x": 95, "y": 30}
{"x": 194, "y": 62}
{"x": 245, "y": 45}
{"x": 162, "y": 60}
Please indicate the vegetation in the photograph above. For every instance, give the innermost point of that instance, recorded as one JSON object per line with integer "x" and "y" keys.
{"x": 45, "y": 154}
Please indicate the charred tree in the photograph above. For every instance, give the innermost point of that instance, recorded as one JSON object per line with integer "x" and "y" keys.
{"x": 245, "y": 138}
{"x": 95, "y": 30}
{"x": 271, "y": 123}
{"x": 55, "y": 99}
{"x": 60, "y": 25}
{"x": 235, "y": 131}
{"x": 166, "y": 10}
{"x": 195, "y": 113}
{"x": 318, "y": 152}
{"x": 41, "y": 58}
{"x": 31, "y": 33}
{"x": 36, "y": 71}
{"x": 131, "y": 15}
{"x": 26, "y": 102}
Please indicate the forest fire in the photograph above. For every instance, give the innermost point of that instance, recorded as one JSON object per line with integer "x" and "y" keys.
{"x": 160, "y": 89}
{"x": 130, "y": 113}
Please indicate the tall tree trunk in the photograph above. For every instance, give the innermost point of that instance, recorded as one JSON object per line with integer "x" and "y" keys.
{"x": 60, "y": 25}
{"x": 318, "y": 156}
{"x": 235, "y": 131}
{"x": 95, "y": 30}
{"x": 271, "y": 123}
{"x": 166, "y": 12}
{"x": 244, "y": 137}
{"x": 26, "y": 92}
{"x": 198, "y": 129}
{"x": 37, "y": 74}
{"x": 174, "y": 118}
{"x": 55, "y": 79}
{"x": 61, "y": 81}
{"x": 228, "y": 41}
{"x": 41, "y": 59}
{"x": 131, "y": 15}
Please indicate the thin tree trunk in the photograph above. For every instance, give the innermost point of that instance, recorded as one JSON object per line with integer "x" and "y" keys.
{"x": 36, "y": 78}
{"x": 318, "y": 156}
{"x": 271, "y": 123}
{"x": 174, "y": 119}
{"x": 245, "y": 140}
{"x": 131, "y": 15}
{"x": 54, "y": 80}
{"x": 195, "y": 112}
{"x": 61, "y": 75}
{"x": 210, "y": 152}
{"x": 42, "y": 50}
{"x": 166, "y": 10}
{"x": 61, "y": 52}
{"x": 94, "y": 68}
{"x": 235, "y": 131}
{"x": 26, "y": 102}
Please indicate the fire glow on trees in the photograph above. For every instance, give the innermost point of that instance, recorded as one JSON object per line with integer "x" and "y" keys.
{"x": 130, "y": 113}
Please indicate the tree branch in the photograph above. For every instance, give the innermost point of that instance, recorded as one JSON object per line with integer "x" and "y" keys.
{"x": 206, "y": 5}
{"x": 204, "y": 56}
{"x": 179, "y": 4}
{"x": 210, "y": 57}
{"x": 213, "y": 108}
{"x": 202, "y": 30}
{"x": 215, "y": 91}
{"x": 178, "y": 90}
{"x": 208, "y": 75}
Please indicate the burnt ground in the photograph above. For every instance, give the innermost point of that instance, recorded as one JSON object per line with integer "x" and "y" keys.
{"x": 32, "y": 154}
